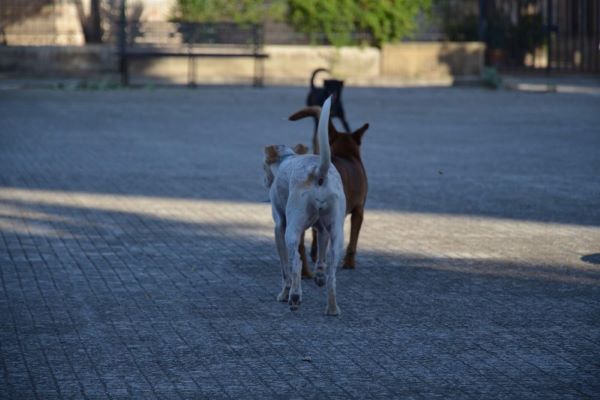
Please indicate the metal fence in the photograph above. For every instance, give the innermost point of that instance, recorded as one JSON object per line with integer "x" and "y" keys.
{"x": 523, "y": 35}
{"x": 548, "y": 35}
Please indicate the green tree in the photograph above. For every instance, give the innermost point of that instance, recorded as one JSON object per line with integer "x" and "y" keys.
{"x": 240, "y": 11}
{"x": 334, "y": 19}
{"x": 337, "y": 21}
{"x": 384, "y": 20}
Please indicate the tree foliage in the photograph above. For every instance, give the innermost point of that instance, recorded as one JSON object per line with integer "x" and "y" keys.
{"x": 240, "y": 11}
{"x": 337, "y": 21}
{"x": 384, "y": 20}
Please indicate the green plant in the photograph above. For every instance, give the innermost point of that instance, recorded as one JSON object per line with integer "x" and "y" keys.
{"x": 530, "y": 32}
{"x": 498, "y": 31}
{"x": 337, "y": 21}
{"x": 333, "y": 19}
{"x": 462, "y": 30}
{"x": 384, "y": 21}
{"x": 240, "y": 11}
{"x": 491, "y": 78}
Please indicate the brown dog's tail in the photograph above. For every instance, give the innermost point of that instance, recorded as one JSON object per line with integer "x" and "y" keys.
{"x": 311, "y": 111}
{"x": 314, "y": 74}
{"x": 314, "y": 112}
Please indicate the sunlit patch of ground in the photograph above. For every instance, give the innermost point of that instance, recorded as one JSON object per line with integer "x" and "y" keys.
{"x": 557, "y": 247}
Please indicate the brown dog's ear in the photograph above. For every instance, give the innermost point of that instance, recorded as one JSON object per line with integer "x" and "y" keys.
{"x": 271, "y": 154}
{"x": 358, "y": 134}
{"x": 300, "y": 149}
{"x": 312, "y": 111}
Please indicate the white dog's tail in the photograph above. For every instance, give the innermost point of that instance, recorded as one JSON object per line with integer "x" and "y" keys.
{"x": 323, "y": 135}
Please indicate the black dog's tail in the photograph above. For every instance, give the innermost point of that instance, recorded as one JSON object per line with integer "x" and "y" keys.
{"x": 314, "y": 74}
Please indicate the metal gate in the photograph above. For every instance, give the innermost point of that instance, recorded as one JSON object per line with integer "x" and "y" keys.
{"x": 550, "y": 35}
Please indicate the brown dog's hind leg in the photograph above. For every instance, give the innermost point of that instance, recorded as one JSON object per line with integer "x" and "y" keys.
{"x": 355, "y": 224}
{"x": 306, "y": 272}
{"x": 313, "y": 246}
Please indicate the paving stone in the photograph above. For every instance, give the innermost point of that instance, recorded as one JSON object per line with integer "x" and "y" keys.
{"x": 137, "y": 257}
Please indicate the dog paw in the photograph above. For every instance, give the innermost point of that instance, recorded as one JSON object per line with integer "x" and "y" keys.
{"x": 333, "y": 311}
{"x": 320, "y": 278}
{"x": 349, "y": 261}
{"x": 294, "y": 301}
{"x": 284, "y": 295}
{"x": 307, "y": 273}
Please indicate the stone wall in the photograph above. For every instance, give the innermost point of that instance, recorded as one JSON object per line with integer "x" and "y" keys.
{"x": 405, "y": 63}
{"x": 288, "y": 64}
{"x": 40, "y": 23}
{"x": 89, "y": 61}
{"x": 435, "y": 60}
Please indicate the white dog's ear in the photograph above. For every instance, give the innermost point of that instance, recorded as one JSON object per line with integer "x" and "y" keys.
{"x": 271, "y": 154}
{"x": 300, "y": 149}
{"x": 269, "y": 177}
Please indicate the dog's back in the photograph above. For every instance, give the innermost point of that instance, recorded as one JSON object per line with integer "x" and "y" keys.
{"x": 311, "y": 175}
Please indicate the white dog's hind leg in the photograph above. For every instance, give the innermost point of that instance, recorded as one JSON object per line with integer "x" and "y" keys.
{"x": 337, "y": 247}
{"x": 286, "y": 279}
{"x": 292, "y": 239}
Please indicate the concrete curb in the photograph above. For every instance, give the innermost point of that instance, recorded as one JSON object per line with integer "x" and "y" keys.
{"x": 553, "y": 85}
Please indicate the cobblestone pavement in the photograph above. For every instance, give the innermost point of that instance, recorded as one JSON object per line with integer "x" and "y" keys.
{"x": 137, "y": 258}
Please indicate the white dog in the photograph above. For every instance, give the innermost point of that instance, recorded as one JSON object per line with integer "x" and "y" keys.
{"x": 306, "y": 191}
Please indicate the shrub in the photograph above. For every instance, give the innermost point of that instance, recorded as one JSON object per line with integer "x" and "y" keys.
{"x": 240, "y": 11}
{"x": 382, "y": 21}
{"x": 338, "y": 21}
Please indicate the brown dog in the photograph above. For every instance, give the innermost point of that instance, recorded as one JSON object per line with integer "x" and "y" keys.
{"x": 345, "y": 156}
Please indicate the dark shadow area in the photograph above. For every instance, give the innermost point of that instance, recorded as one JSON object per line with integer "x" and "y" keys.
{"x": 462, "y": 59}
{"x": 77, "y": 223}
{"x": 14, "y": 11}
{"x": 591, "y": 258}
{"x": 189, "y": 307}
{"x": 178, "y": 49}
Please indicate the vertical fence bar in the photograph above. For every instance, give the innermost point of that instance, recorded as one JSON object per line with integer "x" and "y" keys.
{"x": 568, "y": 57}
{"x": 518, "y": 45}
{"x": 566, "y": 29}
{"x": 549, "y": 37}
{"x": 558, "y": 50}
{"x": 259, "y": 66}
{"x": 483, "y": 22}
{"x": 564, "y": 35}
{"x": 255, "y": 52}
{"x": 193, "y": 32}
{"x": 589, "y": 35}
{"x": 123, "y": 67}
{"x": 570, "y": 43}
{"x": 580, "y": 33}
{"x": 596, "y": 44}
{"x": 555, "y": 38}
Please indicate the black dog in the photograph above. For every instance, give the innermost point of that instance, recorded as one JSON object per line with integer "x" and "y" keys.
{"x": 317, "y": 95}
